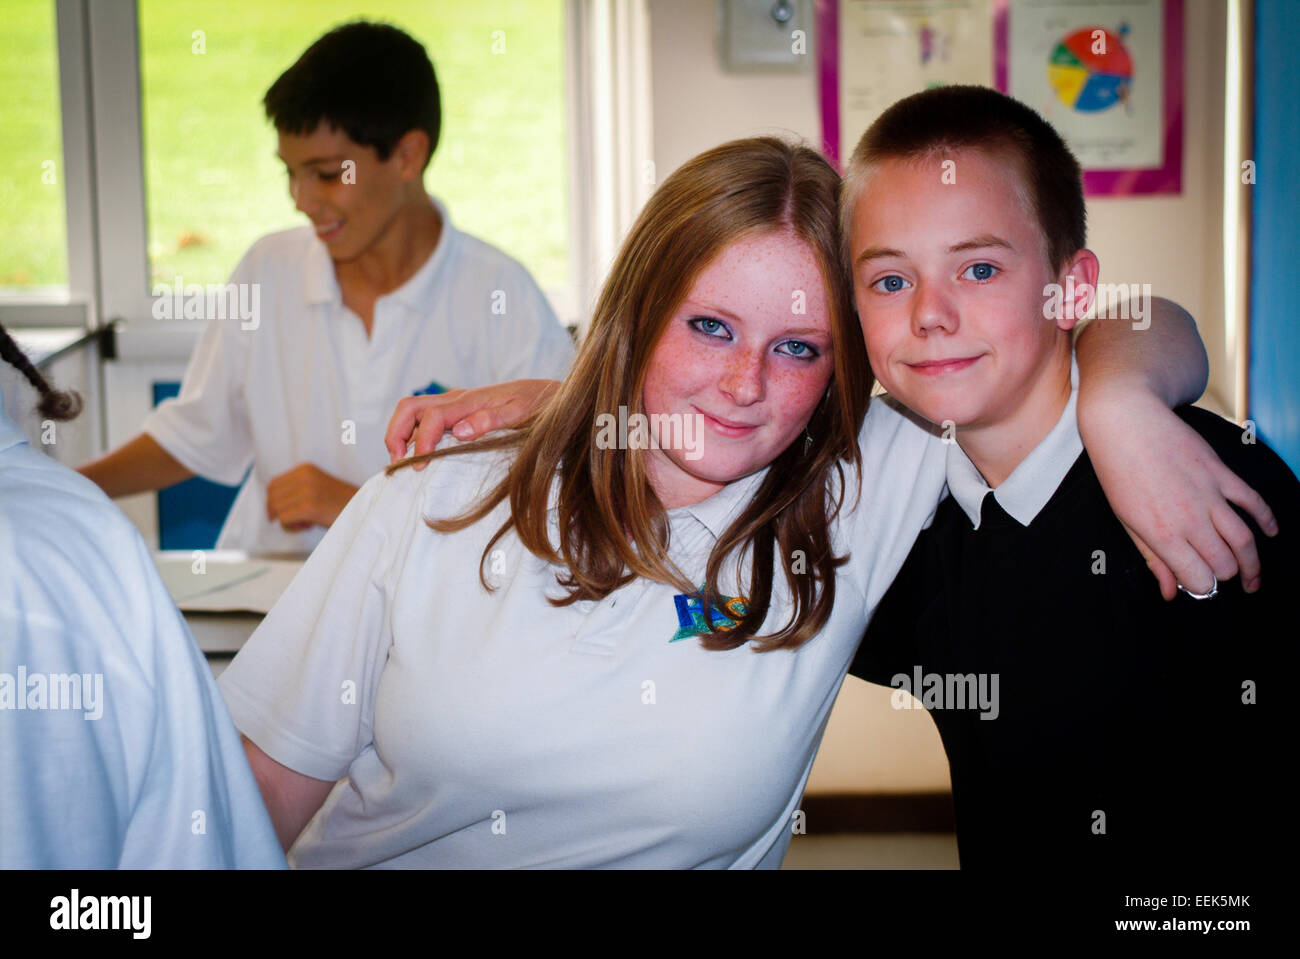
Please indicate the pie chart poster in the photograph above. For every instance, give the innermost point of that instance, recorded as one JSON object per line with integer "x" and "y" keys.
{"x": 1102, "y": 72}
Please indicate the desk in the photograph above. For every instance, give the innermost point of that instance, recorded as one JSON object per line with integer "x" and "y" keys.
{"x": 221, "y": 635}
{"x": 243, "y": 589}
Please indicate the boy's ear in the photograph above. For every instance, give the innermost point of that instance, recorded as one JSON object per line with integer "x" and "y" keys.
{"x": 1078, "y": 281}
{"x": 410, "y": 152}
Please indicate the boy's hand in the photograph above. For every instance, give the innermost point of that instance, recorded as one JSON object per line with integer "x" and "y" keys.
{"x": 467, "y": 413}
{"x": 1172, "y": 493}
{"x": 306, "y": 496}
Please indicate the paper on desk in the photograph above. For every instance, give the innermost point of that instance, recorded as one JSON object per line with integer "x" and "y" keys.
{"x": 225, "y": 582}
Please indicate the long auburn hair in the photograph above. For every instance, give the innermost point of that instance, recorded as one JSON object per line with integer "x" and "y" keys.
{"x": 612, "y": 526}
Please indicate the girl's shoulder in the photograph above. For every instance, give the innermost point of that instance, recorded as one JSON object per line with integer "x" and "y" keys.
{"x": 389, "y": 513}
{"x": 896, "y": 446}
{"x": 446, "y": 486}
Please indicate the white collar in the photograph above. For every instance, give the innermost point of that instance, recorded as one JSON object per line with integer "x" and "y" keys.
{"x": 320, "y": 285}
{"x": 1031, "y": 484}
{"x": 717, "y": 512}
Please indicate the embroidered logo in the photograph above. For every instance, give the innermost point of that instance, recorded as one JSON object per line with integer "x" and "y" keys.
{"x": 691, "y": 619}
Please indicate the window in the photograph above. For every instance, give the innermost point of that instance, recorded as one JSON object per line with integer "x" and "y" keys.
{"x": 33, "y": 226}
{"x": 213, "y": 183}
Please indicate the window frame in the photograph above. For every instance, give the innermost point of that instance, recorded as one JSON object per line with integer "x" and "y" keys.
{"x": 114, "y": 52}
{"x": 74, "y": 305}
{"x": 608, "y": 119}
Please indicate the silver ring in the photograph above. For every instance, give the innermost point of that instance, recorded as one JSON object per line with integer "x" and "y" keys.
{"x": 1214, "y": 590}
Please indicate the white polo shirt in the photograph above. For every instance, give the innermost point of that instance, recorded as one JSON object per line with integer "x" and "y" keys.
{"x": 473, "y": 729}
{"x": 307, "y": 385}
{"x": 116, "y": 750}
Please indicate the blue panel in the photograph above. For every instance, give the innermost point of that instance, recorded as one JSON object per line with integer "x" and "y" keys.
{"x": 190, "y": 514}
{"x": 1275, "y": 232}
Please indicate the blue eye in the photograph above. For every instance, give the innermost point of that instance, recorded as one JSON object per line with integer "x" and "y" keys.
{"x": 800, "y": 350}
{"x": 981, "y": 272}
{"x": 890, "y": 284}
{"x": 710, "y": 327}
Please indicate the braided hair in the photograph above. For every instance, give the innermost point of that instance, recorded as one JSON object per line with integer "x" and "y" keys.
{"x": 54, "y": 404}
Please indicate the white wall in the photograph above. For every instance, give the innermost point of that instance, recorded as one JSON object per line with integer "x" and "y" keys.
{"x": 1174, "y": 243}
{"x": 697, "y": 105}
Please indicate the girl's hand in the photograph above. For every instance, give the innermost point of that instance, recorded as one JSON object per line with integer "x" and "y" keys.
{"x": 1173, "y": 493}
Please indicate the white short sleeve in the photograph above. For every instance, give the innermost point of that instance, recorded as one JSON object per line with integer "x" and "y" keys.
{"x": 303, "y": 686}
{"x": 206, "y": 428}
{"x": 528, "y": 341}
{"x": 904, "y": 477}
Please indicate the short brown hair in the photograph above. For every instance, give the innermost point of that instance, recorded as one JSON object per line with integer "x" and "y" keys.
{"x": 946, "y": 119}
{"x": 370, "y": 80}
{"x": 613, "y": 527}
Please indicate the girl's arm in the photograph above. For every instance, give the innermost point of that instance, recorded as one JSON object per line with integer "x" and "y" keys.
{"x": 291, "y": 798}
{"x": 1165, "y": 483}
{"x": 322, "y": 646}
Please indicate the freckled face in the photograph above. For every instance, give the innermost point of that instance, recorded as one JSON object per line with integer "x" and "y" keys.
{"x": 348, "y": 217}
{"x": 749, "y": 351}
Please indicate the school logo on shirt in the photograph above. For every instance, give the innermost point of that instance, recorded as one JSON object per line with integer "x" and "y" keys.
{"x": 691, "y": 619}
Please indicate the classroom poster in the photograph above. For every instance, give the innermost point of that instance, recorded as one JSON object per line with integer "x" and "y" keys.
{"x": 889, "y": 49}
{"x": 1094, "y": 71}
{"x": 1108, "y": 75}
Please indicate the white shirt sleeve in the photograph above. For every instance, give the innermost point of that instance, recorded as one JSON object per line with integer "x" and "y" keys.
{"x": 206, "y": 428}
{"x": 303, "y": 687}
{"x": 145, "y": 770}
{"x": 904, "y": 477}
{"x": 528, "y": 340}
{"x": 198, "y": 804}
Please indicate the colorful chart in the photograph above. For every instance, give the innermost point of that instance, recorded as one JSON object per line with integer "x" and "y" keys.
{"x": 1090, "y": 70}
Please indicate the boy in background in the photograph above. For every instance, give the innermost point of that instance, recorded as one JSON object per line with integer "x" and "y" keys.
{"x": 1087, "y": 722}
{"x": 377, "y": 297}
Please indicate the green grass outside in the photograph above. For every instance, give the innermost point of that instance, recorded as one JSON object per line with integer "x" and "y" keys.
{"x": 33, "y": 231}
{"x": 213, "y": 184}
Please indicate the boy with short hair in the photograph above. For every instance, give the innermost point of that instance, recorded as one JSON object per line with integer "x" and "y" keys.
{"x": 1087, "y": 722}
{"x": 380, "y": 295}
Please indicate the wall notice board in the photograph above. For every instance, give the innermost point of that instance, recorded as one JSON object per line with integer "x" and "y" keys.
{"x": 1108, "y": 74}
